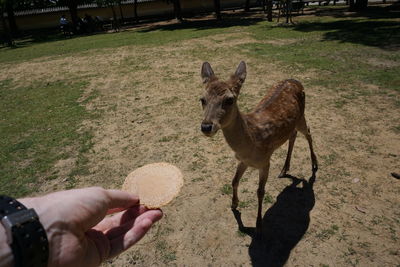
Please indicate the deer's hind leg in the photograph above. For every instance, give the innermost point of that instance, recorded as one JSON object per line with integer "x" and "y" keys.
{"x": 286, "y": 167}
{"x": 302, "y": 127}
{"x": 241, "y": 168}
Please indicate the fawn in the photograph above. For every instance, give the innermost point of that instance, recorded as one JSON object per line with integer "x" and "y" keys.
{"x": 256, "y": 135}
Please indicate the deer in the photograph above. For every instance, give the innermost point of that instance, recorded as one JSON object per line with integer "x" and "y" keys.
{"x": 256, "y": 135}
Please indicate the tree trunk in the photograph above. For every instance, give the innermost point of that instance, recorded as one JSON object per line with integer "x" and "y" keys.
{"x": 360, "y": 5}
{"x": 120, "y": 11}
{"x": 269, "y": 10}
{"x": 351, "y": 5}
{"x": 247, "y": 6}
{"x": 217, "y": 6}
{"x": 288, "y": 10}
{"x": 7, "y": 34}
{"x": 11, "y": 17}
{"x": 177, "y": 10}
{"x": 115, "y": 23}
{"x": 135, "y": 11}
{"x": 73, "y": 10}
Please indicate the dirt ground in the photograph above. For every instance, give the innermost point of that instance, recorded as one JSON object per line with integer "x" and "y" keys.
{"x": 350, "y": 215}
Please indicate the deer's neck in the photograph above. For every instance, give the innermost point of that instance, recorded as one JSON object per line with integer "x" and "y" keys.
{"x": 237, "y": 134}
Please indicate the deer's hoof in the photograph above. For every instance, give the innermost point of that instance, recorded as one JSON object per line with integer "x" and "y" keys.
{"x": 282, "y": 175}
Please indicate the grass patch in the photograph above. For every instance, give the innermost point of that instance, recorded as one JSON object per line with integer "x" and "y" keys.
{"x": 244, "y": 204}
{"x": 38, "y": 121}
{"x": 165, "y": 251}
{"x": 268, "y": 198}
{"x": 328, "y": 233}
{"x": 226, "y": 189}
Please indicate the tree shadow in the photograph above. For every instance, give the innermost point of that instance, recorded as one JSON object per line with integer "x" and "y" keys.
{"x": 368, "y": 28}
{"x": 205, "y": 23}
{"x": 284, "y": 224}
{"x": 30, "y": 37}
{"x": 373, "y": 11}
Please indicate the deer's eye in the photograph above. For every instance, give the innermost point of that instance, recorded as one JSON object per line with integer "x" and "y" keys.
{"x": 203, "y": 101}
{"x": 228, "y": 101}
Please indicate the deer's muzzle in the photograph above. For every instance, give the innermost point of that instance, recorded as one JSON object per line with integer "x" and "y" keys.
{"x": 206, "y": 128}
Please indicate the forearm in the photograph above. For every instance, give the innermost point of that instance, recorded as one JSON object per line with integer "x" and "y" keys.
{"x": 6, "y": 256}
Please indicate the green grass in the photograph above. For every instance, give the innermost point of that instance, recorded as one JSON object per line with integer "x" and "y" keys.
{"x": 38, "y": 121}
{"x": 337, "y": 48}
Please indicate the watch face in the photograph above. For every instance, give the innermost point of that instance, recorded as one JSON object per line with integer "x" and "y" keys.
{"x": 17, "y": 220}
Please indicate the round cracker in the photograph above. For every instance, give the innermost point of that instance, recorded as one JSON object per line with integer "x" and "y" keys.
{"x": 156, "y": 184}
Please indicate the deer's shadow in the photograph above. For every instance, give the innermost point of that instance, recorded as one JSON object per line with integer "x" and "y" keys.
{"x": 284, "y": 224}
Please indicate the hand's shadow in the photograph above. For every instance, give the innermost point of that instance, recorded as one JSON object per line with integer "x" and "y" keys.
{"x": 284, "y": 224}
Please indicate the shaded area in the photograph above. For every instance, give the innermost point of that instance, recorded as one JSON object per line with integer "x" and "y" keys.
{"x": 284, "y": 224}
{"x": 28, "y": 38}
{"x": 374, "y": 27}
{"x": 205, "y": 23}
{"x": 373, "y": 12}
{"x": 199, "y": 23}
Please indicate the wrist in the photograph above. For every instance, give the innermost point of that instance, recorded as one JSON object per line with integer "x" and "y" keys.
{"x": 47, "y": 217}
{"x": 22, "y": 234}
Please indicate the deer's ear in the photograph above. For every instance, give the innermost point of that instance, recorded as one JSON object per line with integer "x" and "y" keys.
{"x": 240, "y": 72}
{"x": 206, "y": 72}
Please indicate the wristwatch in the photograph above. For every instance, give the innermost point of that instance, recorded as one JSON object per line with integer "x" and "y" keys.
{"x": 25, "y": 234}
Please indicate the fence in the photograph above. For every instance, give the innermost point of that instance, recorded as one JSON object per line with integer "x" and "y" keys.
{"x": 49, "y": 17}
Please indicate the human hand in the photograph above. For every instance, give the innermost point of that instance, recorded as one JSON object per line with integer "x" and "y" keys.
{"x": 76, "y": 227}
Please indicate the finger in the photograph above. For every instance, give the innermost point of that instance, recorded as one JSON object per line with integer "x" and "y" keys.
{"x": 139, "y": 229}
{"x": 94, "y": 203}
{"x": 116, "y": 210}
{"x": 98, "y": 246}
{"x": 127, "y": 224}
{"x": 120, "y": 218}
{"x": 118, "y": 199}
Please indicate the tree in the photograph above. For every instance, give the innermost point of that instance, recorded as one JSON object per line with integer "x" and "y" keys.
{"x": 111, "y": 4}
{"x": 120, "y": 11}
{"x": 247, "y": 6}
{"x": 7, "y": 34}
{"x": 135, "y": 11}
{"x": 217, "y": 6}
{"x": 358, "y": 5}
{"x": 177, "y": 9}
{"x": 9, "y": 8}
{"x": 267, "y": 8}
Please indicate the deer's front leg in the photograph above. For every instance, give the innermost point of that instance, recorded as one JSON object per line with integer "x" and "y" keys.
{"x": 263, "y": 177}
{"x": 241, "y": 168}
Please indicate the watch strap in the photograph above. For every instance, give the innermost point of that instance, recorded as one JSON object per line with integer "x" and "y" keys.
{"x": 9, "y": 205}
{"x": 29, "y": 240}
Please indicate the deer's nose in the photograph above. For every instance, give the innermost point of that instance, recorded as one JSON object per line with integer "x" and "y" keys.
{"x": 206, "y": 127}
